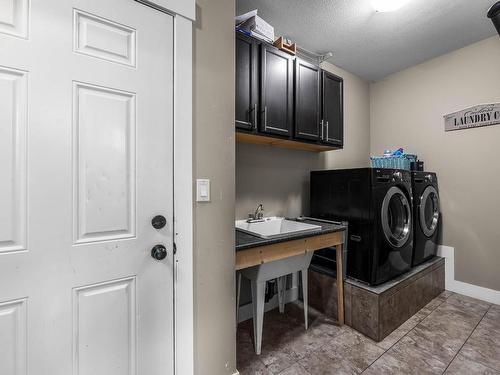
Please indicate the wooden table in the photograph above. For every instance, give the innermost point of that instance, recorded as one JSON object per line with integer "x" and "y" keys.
{"x": 281, "y": 250}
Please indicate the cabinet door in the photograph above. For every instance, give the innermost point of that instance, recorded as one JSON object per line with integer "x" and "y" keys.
{"x": 246, "y": 83}
{"x": 333, "y": 114}
{"x": 276, "y": 91}
{"x": 307, "y": 100}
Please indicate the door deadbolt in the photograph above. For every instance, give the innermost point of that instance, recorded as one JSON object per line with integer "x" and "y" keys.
{"x": 159, "y": 222}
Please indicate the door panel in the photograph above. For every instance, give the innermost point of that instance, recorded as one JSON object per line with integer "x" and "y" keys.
{"x": 104, "y": 328}
{"x": 14, "y": 17}
{"x": 104, "y": 39}
{"x": 307, "y": 102}
{"x": 13, "y": 344}
{"x": 86, "y": 141}
{"x": 333, "y": 113}
{"x": 105, "y": 173}
{"x": 13, "y": 124}
{"x": 246, "y": 83}
{"x": 276, "y": 91}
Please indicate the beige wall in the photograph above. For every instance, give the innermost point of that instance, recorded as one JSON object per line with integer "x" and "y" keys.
{"x": 407, "y": 110}
{"x": 215, "y": 348}
{"x": 279, "y": 178}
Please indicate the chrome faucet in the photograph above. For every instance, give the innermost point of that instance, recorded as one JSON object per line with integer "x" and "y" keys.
{"x": 258, "y": 214}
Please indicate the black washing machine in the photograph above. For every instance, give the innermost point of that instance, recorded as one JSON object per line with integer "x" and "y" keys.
{"x": 377, "y": 203}
{"x": 426, "y": 216}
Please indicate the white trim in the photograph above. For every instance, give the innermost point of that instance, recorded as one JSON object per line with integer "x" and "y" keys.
{"x": 245, "y": 312}
{"x": 185, "y": 8}
{"x": 471, "y": 290}
{"x": 183, "y": 198}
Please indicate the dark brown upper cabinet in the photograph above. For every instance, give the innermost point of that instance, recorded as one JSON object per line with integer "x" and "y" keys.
{"x": 247, "y": 85}
{"x": 332, "y": 109}
{"x": 307, "y": 101}
{"x": 276, "y": 95}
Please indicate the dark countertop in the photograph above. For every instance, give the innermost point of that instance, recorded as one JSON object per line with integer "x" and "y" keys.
{"x": 246, "y": 241}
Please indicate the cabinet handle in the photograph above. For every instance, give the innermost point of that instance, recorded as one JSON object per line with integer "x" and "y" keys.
{"x": 327, "y": 131}
{"x": 255, "y": 116}
{"x": 265, "y": 115}
{"x": 322, "y": 130}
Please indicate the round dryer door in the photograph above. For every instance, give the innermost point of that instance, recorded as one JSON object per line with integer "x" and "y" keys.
{"x": 396, "y": 217}
{"x": 429, "y": 211}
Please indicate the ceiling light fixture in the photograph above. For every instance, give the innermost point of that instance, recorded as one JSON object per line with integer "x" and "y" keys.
{"x": 388, "y": 5}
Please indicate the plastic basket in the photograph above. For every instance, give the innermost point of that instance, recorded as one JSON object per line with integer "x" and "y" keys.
{"x": 393, "y": 162}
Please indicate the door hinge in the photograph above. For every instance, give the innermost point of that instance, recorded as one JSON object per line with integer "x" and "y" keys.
{"x": 175, "y": 248}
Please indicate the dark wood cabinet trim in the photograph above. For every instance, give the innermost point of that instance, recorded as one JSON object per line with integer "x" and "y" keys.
{"x": 253, "y": 110}
{"x": 325, "y": 123}
{"x": 264, "y": 125}
{"x": 297, "y": 80}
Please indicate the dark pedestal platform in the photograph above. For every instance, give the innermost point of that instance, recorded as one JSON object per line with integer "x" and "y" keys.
{"x": 377, "y": 311}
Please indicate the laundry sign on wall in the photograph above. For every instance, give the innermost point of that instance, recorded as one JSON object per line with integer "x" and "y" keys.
{"x": 473, "y": 117}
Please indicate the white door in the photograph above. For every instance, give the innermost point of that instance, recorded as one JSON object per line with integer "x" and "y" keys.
{"x": 86, "y": 119}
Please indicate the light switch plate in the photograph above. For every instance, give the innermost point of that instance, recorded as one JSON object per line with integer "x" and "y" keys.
{"x": 202, "y": 190}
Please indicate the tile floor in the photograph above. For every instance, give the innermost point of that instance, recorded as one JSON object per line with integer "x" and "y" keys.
{"x": 453, "y": 334}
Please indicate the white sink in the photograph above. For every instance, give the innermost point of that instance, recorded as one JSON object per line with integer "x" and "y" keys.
{"x": 275, "y": 227}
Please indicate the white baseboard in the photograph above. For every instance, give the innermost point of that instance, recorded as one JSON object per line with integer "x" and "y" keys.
{"x": 471, "y": 290}
{"x": 245, "y": 311}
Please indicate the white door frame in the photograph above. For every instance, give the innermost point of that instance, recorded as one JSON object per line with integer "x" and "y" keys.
{"x": 183, "y": 198}
{"x": 183, "y": 12}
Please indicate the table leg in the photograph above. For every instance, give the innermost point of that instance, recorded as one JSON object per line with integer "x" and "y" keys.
{"x": 340, "y": 286}
{"x": 304, "y": 274}
{"x": 281, "y": 293}
{"x": 258, "y": 296}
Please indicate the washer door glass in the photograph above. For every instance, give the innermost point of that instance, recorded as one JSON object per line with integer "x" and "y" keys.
{"x": 429, "y": 211}
{"x": 396, "y": 217}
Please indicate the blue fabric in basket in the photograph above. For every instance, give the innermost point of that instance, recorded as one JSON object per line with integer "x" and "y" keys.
{"x": 393, "y": 162}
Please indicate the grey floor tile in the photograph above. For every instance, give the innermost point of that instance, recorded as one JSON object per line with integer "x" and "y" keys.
{"x": 327, "y": 327}
{"x": 299, "y": 346}
{"x": 464, "y": 366}
{"x": 254, "y": 368}
{"x": 321, "y": 364}
{"x": 488, "y": 329}
{"x": 433, "y": 305}
{"x": 357, "y": 356}
{"x": 493, "y": 314}
{"x": 468, "y": 304}
{"x": 453, "y": 310}
{"x": 245, "y": 350}
{"x": 483, "y": 347}
{"x": 406, "y": 357}
{"x": 443, "y": 340}
{"x": 276, "y": 360}
{"x": 445, "y": 294}
{"x": 399, "y": 333}
{"x": 296, "y": 369}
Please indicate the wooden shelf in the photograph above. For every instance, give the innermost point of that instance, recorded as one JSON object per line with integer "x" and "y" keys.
{"x": 282, "y": 143}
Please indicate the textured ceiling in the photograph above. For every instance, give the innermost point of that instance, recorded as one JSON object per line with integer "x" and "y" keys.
{"x": 374, "y": 45}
